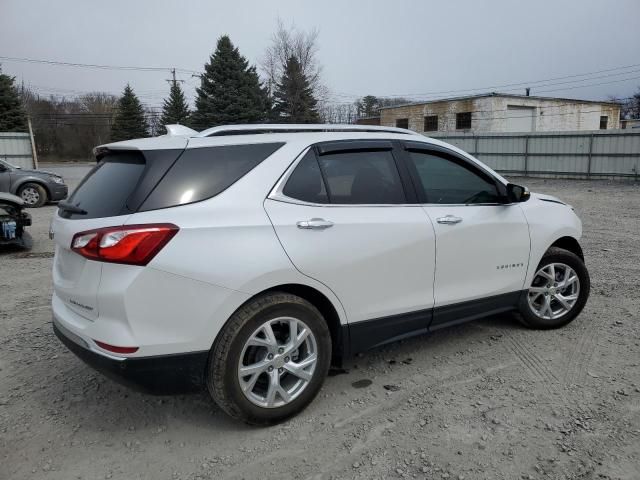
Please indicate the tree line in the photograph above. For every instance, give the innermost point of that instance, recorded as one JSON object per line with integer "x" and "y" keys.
{"x": 231, "y": 92}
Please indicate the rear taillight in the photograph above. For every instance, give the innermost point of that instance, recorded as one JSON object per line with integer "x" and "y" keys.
{"x": 129, "y": 244}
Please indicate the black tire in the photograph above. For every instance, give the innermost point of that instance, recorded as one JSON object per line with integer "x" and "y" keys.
{"x": 39, "y": 194}
{"x": 558, "y": 255}
{"x": 222, "y": 374}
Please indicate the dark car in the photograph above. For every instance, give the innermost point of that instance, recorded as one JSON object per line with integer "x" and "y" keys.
{"x": 13, "y": 221}
{"x": 34, "y": 187}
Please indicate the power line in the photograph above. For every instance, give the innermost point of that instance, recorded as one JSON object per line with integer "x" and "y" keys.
{"x": 93, "y": 65}
{"x": 521, "y": 84}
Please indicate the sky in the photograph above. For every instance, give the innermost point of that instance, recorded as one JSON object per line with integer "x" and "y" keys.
{"x": 418, "y": 49}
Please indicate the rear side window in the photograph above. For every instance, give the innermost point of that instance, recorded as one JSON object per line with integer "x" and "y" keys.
{"x": 106, "y": 188}
{"x": 202, "y": 173}
{"x": 362, "y": 177}
{"x": 305, "y": 183}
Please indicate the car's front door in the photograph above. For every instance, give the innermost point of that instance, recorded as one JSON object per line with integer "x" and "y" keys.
{"x": 482, "y": 243}
{"x": 343, "y": 218}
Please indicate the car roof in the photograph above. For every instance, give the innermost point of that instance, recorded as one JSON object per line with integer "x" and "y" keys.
{"x": 178, "y": 135}
{"x": 298, "y": 135}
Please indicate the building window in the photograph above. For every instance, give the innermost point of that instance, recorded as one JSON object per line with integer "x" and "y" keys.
{"x": 463, "y": 121}
{"x": 603, "y": 122}
{"x": 431, "y": 123}
{"x": 402, "y": 123}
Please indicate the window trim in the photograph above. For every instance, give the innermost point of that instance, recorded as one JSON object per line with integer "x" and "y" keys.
{"x": 456, "y": 158}
{"x": 407, "y": 184}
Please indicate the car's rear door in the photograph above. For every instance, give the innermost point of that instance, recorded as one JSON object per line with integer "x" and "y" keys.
{"x": 347, "y": 217}
{"x": 482, "y": 243}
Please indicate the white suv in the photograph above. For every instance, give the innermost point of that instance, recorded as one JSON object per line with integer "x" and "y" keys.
{"x": 249, "y": 258}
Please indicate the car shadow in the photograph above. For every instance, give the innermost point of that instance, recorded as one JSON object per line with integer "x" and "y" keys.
{"x": 84, "y": 397}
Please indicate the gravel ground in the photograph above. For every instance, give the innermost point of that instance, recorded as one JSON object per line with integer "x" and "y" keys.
{"x": 485, "y": 400}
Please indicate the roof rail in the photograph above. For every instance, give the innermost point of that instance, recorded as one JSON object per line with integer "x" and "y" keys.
{"x": 254, "y": 129}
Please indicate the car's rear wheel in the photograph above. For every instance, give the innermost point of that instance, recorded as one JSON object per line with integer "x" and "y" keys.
{"x": 33, "y": 195}
{"x": 558, "y": 292}
{"x": 270, "y": 359}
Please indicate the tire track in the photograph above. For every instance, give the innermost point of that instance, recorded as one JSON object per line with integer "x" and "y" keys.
{"x": 536, "y": 367}
{"x": 581, "y": 356}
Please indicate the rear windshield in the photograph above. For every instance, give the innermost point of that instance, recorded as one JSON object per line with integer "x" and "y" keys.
{"x": 202, "y": 173}
{"x": 106, "y": 188}
{"x": 130, "y": 181}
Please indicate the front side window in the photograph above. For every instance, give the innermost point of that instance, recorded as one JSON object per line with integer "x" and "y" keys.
{"x": 446, "y": 181}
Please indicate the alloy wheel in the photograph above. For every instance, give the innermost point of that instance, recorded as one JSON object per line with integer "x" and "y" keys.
{"x": 554, "y": 291}
{"x": 277, "y": 362}
{"x": 30, "y": 195}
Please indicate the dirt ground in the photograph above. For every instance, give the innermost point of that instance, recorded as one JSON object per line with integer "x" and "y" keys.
{"x": 486, "y": 400}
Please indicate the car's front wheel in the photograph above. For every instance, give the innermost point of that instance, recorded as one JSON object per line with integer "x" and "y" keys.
{"x": 558, "y": 292}
{"x": 270, "y": 359}
{"x": 33, "y": 195}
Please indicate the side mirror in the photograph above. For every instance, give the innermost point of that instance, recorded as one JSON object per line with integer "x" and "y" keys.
{"x": 516, "y": 193}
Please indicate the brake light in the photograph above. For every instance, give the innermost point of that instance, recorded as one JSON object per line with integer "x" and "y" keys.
{"x": 128, "y": 244}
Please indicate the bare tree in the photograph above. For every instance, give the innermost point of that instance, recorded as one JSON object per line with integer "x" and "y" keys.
{"x": 288, "y": 42}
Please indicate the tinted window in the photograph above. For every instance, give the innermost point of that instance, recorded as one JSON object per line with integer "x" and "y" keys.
{"x": 305, "y": 183}
{"x": 446, "y": 181}
{"x": 106, "y": 188}
{"x": 202, "y": 173}
{"x": 368, "y": 177}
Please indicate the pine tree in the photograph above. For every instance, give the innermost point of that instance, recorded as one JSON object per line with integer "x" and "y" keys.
{"x": 230, "y": 90}
{"x": 129, "y": 121}
{"x": 175, "y": 109}
{"x": 12, "y": 114}
{"x": 293, "y": 98}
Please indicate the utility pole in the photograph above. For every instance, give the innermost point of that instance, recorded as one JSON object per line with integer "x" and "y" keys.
{"x": 33, "y": 144}
{"x": 173, "y": 79}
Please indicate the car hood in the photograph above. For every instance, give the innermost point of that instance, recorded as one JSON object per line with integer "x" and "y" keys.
{"x": 26, "y": 171}
{"x": 547, "y": 198}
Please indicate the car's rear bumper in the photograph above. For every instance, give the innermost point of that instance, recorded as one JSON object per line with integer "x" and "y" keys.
{"x": 159, "y": 374}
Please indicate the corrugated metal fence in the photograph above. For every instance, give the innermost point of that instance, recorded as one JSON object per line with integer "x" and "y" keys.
{"x": 15, "y": 148}
{"x": 593, "y": 154}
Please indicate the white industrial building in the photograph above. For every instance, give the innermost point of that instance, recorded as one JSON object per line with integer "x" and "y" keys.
{"x": 498, "y": 112}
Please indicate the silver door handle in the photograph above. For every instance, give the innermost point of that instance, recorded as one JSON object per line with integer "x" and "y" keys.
{"x": 315, "y": 224}
{"x": 449, "y": 220}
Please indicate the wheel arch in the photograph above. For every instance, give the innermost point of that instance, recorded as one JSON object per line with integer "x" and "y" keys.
{"x": 338, "y": 331}
{"x": 36, "y": 180}
{"x": 569, "y": 243}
